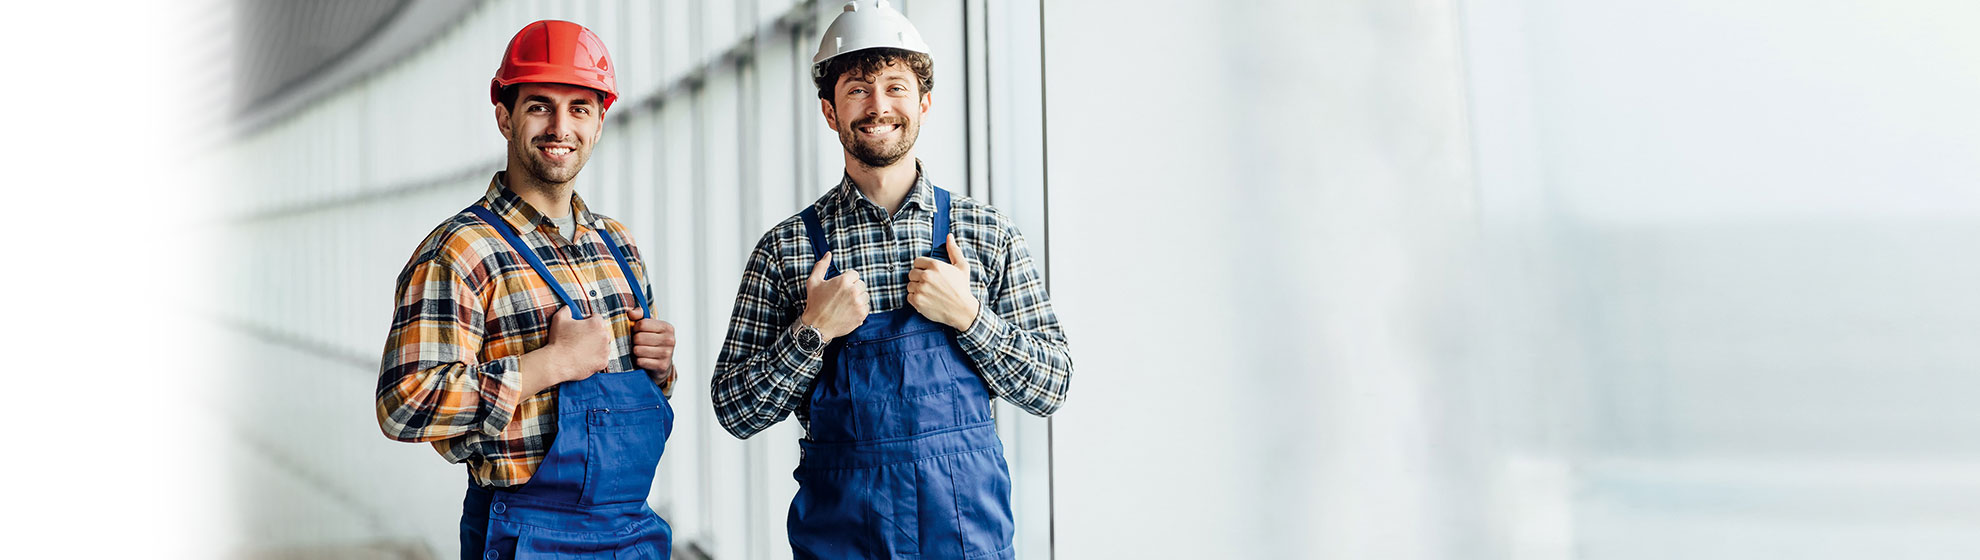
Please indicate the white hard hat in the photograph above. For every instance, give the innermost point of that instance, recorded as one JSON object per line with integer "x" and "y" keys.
{"x": 867, "y": 24}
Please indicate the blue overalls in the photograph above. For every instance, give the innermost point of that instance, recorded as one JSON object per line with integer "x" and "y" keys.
{"x": 588, "y": 497}
{"x": 902, "y": 458}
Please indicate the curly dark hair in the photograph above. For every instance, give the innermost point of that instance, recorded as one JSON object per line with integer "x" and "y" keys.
{"x": 866, "y": 62}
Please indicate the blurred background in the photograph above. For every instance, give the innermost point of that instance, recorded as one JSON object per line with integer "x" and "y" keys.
{"x": 1417, "y": 279}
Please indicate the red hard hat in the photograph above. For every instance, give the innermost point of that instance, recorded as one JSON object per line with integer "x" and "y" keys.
{"x": 556, "y": 52}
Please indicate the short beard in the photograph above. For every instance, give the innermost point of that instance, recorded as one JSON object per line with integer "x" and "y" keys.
{"x": 539, "y": 169}
{"x": 879, "y": 156}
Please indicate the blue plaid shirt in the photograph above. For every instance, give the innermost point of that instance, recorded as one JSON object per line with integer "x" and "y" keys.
{"x": 1015, "y": 344}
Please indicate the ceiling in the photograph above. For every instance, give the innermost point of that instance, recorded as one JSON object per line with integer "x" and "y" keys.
{"x": 284, "y": 42}
{"x": 290, "y": 52}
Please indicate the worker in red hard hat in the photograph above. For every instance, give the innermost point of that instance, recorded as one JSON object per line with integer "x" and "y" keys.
{"x": 522, "y": 340}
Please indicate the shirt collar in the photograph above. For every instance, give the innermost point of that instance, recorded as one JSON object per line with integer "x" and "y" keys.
{"x": 847, "y": 198}
{"x": 523, "y": 217}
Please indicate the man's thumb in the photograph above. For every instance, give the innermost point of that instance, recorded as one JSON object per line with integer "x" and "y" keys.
{"x": 818, "y": 270}
{"x": 956, "y": 255}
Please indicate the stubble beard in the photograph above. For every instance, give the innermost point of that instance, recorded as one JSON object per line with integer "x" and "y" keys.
{"x": 543, "y": 171}
{"x": 881, "y": 154}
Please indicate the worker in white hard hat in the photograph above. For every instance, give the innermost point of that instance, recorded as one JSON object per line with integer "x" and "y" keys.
{"x": 887, "y": 315}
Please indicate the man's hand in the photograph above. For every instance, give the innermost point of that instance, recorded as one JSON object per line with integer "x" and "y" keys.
{"x": 940, "y": 291}
{"x": 653, "y": 347}
{"x": 835, "y": 307}
{"x": 575, "y": 350}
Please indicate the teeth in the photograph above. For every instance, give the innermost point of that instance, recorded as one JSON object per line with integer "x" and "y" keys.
{"x": 558, "y": 151}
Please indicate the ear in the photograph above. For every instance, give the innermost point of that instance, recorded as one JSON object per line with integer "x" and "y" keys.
{"x": 927, "y": 99}
{"x": 831, "y": 117}
{"x": 502, "y": 121}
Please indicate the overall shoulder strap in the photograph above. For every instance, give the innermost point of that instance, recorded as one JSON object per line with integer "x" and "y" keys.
{"x": 941, "y": 223}
{"x": 626, "y": 269}
{"x": 816, "y": 232}
{"x": 528, "y": 254}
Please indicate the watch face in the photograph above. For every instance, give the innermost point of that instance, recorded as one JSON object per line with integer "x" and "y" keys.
{"x": 807, "y": 338}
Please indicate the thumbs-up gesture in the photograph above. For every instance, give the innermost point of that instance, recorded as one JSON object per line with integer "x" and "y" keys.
{"x": 940, "y": 291}
{"x": 835, "y": 307}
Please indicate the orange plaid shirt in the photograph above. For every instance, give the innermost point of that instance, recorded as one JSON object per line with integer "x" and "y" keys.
{"x": 468, "y": 306}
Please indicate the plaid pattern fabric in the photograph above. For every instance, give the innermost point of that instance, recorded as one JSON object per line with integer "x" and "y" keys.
{"x": 467, "y": 307}
{"x": 1015, "y": 344}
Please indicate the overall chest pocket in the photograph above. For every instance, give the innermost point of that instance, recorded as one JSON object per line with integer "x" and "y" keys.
{"x": 622, "y": 451}
{"x": 929, "y": 366}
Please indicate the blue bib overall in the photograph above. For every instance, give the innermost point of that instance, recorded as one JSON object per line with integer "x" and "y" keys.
{"x": 902, "y": 458}
{"x": 588, "y": 497}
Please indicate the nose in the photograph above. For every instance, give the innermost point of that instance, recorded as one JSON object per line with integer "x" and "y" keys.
{"x": 559, "y": 126}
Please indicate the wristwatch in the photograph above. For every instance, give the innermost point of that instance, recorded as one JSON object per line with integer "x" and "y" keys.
{"x": 807, "y": 337}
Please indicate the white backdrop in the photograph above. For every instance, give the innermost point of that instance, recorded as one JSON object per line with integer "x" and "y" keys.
{"x": 1517, "y": 279}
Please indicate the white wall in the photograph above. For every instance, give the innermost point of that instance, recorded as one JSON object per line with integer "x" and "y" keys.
{"x": 1516, "y": 279}
{"x": 1738, "y": 228}
{"x": 1257, "y": 217}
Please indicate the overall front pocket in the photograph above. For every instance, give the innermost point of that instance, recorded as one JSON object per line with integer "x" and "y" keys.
{"x": 622, "y": 451}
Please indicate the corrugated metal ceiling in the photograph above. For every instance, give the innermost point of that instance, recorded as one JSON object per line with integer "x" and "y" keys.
{"x": 285, "y": 42}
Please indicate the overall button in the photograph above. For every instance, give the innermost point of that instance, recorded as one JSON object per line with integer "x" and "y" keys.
{"x": 492, "y": 555}
{"x": 594, "y": 293}
{"x": 501, "y": 507}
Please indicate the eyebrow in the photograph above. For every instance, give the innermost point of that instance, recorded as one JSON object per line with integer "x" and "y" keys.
{"x": 884, "y": 77}
{"x": 546, "y": 99}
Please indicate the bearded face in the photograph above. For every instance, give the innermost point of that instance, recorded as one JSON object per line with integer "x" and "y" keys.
{"x": 878, "y": 115}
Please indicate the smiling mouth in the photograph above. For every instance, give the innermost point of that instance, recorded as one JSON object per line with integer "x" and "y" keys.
{"x": 878, "y": 129}
{"x": 556, "y": 152}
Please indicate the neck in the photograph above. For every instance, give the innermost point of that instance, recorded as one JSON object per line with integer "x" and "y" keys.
{"x": 550, "y": 200}
{"x": 886, "y": 186}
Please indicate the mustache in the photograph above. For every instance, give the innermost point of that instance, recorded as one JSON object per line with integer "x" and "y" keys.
{"x": 869, "y": 121}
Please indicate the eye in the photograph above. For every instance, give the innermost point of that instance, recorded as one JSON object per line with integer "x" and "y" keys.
{"x": 582, "y": 110}
{"x": 538, "y": 108}
{"x": 857, "y": 91}
{"x": 897, "y": 88}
